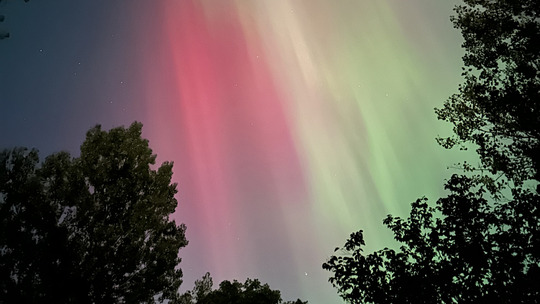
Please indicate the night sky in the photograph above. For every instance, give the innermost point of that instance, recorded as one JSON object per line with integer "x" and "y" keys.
{"x": 291, "y": 124}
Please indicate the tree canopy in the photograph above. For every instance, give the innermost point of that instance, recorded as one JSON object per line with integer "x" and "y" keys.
{"x": 481, "y": 242}
{"x": 496, "y": 108}
{"x": 463, "y": 250}
{"x": 251, "y": 291}
{"x": 89, "y": 229}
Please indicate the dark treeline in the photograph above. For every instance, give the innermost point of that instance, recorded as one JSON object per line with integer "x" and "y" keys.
{"x": 251, "y": 291}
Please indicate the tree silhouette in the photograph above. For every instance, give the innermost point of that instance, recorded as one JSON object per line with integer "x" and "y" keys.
{"x": 251, "y": 291}
{"x": 463, "y": 250}
{"x": 202, "y": 288}
{"x": 92, "y": 229}
{"x": 480, "y": 243}
{"x": 497, "y": 106}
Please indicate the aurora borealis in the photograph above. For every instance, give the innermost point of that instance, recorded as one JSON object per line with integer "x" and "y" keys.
{"x": 290, "y": 123}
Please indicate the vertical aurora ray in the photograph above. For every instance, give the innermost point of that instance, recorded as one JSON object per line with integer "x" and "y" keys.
{"x": 294, "y": 123}
{"x": 234, "y": 145}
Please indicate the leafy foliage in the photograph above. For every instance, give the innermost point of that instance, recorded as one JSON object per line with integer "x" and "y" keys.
{"x": 202, "y": 288}
{"x": 463, "y": 250}
{"x": 251, "y": 291}
{"x": 92, "y": 229}
{"x": 497, "y": 106}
